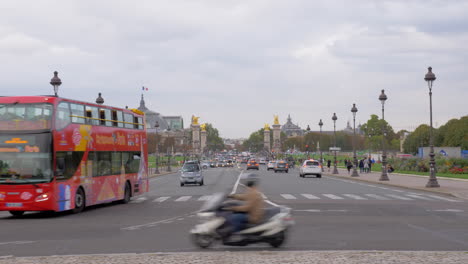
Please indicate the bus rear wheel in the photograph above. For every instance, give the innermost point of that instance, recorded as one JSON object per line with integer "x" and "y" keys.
{"x": 17, "y": 213}
{"x": 127, "y": 194}
{"x": 80, "y": 201}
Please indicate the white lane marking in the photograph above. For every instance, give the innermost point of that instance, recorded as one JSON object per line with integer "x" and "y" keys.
{"x": 288, "y": 196}
{"x": 161, "y": 199}
{"x": 354, "y": 196}
{"x": 310, "y": 196}
{"x": 399, "y": 197}
{"x": 319, "y": 211}
{"x": 152, "y": 224}
{"x": 234, "y": 188}
{"x": 183, "y": 198}
{"x": 419, "y": 197}
{"x": 442, "y": 198}
{"x": 16, "y": 243}
{"x": 378, "y": 197}
{"x": 332, "y": 196}
{"x": 204, "y": 198}
{"x": 139, "y": 200}
{"x": 447, "y": 210}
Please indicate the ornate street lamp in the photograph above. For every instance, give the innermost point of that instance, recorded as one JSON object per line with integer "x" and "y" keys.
{"x": 384, "y": 176}
{"x": 56, "y": 82}
{"x": 156, "y": 154}
{"x": 334, "y": 118}
{"x": 320, "y": 142}
{"x": 354, "y": 111}
{"x": 168, "y": 151}
{"x": 100, "y": 100}
{"x": 430, "y": 78}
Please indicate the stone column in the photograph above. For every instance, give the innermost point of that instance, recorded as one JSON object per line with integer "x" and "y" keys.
{"x": 202, "y": 141}
{"x": 266, "y": 140}
{"x": 196, "y": 138}
{"x": 276, "y": 138}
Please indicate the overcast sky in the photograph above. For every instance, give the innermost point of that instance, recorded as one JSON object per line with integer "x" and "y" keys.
{"x": 237, "y": 63}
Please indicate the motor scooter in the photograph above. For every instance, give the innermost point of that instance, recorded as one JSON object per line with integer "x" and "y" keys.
{"x": 272, "y": 229}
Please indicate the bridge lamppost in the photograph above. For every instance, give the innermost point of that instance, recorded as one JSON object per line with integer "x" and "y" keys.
{"x": 334, "y": 118}
{"x": 320, "y": 142}
{"x": 156, "y": 153}
{"x": 56, "y": 82}
{"x": 168, "y": 151}
{"x": 430, "y": 78}
{"x": 354, "y": 111}
{"x": 384, "y": 176}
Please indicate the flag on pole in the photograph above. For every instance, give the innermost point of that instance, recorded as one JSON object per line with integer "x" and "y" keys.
{"x": 145, "y": 88}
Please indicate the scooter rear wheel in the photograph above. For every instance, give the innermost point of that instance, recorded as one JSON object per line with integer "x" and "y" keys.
{"x": 278, "y": 239}
{"x": 203, "y": 241}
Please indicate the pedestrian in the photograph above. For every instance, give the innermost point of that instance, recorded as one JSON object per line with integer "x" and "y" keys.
{"x": 345, "y": 162}
{"x": 366, "y": 165}
{"x": 328, "y": 165}
{"x": 349, "y": 166}
{"x": 390, "y": 168}
{"x": 361, "y": 165}
{"x": 370, "y": 164}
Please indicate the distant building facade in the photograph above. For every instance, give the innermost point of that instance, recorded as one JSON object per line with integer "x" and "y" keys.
{"x": 171, "y": 123}
{"x": 292, "y": 130}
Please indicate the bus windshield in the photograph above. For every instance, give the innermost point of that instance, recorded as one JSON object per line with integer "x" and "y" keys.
{"x": 35, "y": 116}
{"x": 25, "y": 158}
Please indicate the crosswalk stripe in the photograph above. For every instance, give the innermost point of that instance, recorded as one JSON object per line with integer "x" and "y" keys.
{"x": 183, "y": 198}
{"x": 399, "y": 197}
{"x": 378, "y": 197}
{"x": 288, "y": 196}
{"x": 419, "y": 197}
{"x": 204, "y": 198}
{"x": 442, "y": 198}
{"x": 310, "y": 196}
{"x": 357, "y": 197}
{"x": 161, "y": 199}
{"x": 332, "y": 196}
{"x": 139, "y": 200}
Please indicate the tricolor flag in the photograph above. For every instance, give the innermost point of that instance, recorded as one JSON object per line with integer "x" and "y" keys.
{"x": 145, "y": 88}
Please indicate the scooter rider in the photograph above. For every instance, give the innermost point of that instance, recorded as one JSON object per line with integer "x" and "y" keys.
{"x": 252, "y": 210}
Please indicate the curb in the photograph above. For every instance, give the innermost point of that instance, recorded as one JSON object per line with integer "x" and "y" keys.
{"x": 400, "y": 186}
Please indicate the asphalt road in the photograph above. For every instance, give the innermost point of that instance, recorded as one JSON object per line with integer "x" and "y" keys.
{"x": 330, "y": 214}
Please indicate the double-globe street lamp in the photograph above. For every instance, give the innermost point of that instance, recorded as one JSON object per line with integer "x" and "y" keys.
{"x": 320, "y": 142}
{"x": 384, "y": 176}
{"x": 156, "y": 153}
{"x": 334, "y": 118}
{"x": 430, "y": 78}
{"x": 354, "y": 111}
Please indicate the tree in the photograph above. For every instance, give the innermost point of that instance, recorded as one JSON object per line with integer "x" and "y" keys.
{"x": 255, "y": 141}
{"x": 419, "y": 138}
{"x": 453, "y": 134}
{"x": 213, "y": 141}
{"x": 373, "y": 132}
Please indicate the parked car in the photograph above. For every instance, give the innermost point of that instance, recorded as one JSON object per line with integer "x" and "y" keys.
{"x": 191, "y": 173}
{"x": 271, "y": 165}
{"x": 281, "y": 166}
{"x": 253, "y": 165}
{"x": 311, "y": 167}
{"x": 262, "y": 161}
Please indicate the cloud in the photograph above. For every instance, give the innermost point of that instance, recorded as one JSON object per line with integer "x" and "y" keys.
{"x": 237, "y": 63}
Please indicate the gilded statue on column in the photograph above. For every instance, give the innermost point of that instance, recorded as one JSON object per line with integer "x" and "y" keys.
{"x": 203, "y": 127}
{"x": 195, "y": 120}
{"x": 266, "y": 127}
{"x": 276, "y": 120}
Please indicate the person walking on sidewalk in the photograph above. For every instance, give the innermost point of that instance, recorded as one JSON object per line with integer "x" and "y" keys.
{"x": 361, "y": 165}
{"x": 366, "y": 165}
{"x": 328, "y": 165}
{"x": 370, "y": 164}
{"x": 349, "y": 166}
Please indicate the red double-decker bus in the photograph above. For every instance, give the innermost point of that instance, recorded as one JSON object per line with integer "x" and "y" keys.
{"x": 58, "y": 154}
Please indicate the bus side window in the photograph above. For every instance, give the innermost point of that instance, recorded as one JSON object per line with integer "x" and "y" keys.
{"x": 62, "y": 117}
{"x": 140, "y": 123}
{"x": 135, "y": 122}
{"x": 78, "y": 112}
{"x": 128, "y": 118}
{"x": 120, "y": 119}
{"x": 67, "y": 163}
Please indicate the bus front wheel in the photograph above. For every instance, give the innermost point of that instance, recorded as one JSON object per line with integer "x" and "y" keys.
{"x": 80, "y": 201}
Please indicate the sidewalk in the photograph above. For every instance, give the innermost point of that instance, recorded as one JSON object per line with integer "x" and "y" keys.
{"x": 257, "y": 257}
{"x": 162, "y": 171}
{"x": 453, "y": 187}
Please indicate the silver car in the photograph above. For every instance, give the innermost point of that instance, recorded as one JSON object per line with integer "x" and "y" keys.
{"x": 191, "y": 173}
{"x": 311, "y": 167}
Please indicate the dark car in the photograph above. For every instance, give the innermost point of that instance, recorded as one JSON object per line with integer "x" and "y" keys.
{"x": 253, "y": 165}
{"x": 281, "y": 166}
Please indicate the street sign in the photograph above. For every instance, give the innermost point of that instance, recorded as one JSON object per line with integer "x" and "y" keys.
{"x": 335, "y": 149}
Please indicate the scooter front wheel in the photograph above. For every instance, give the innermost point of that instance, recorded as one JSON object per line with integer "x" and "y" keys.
{"x": 203, "y": 241}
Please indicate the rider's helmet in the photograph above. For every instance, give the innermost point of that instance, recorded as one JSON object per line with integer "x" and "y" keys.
{"x": 250, "y": 180}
